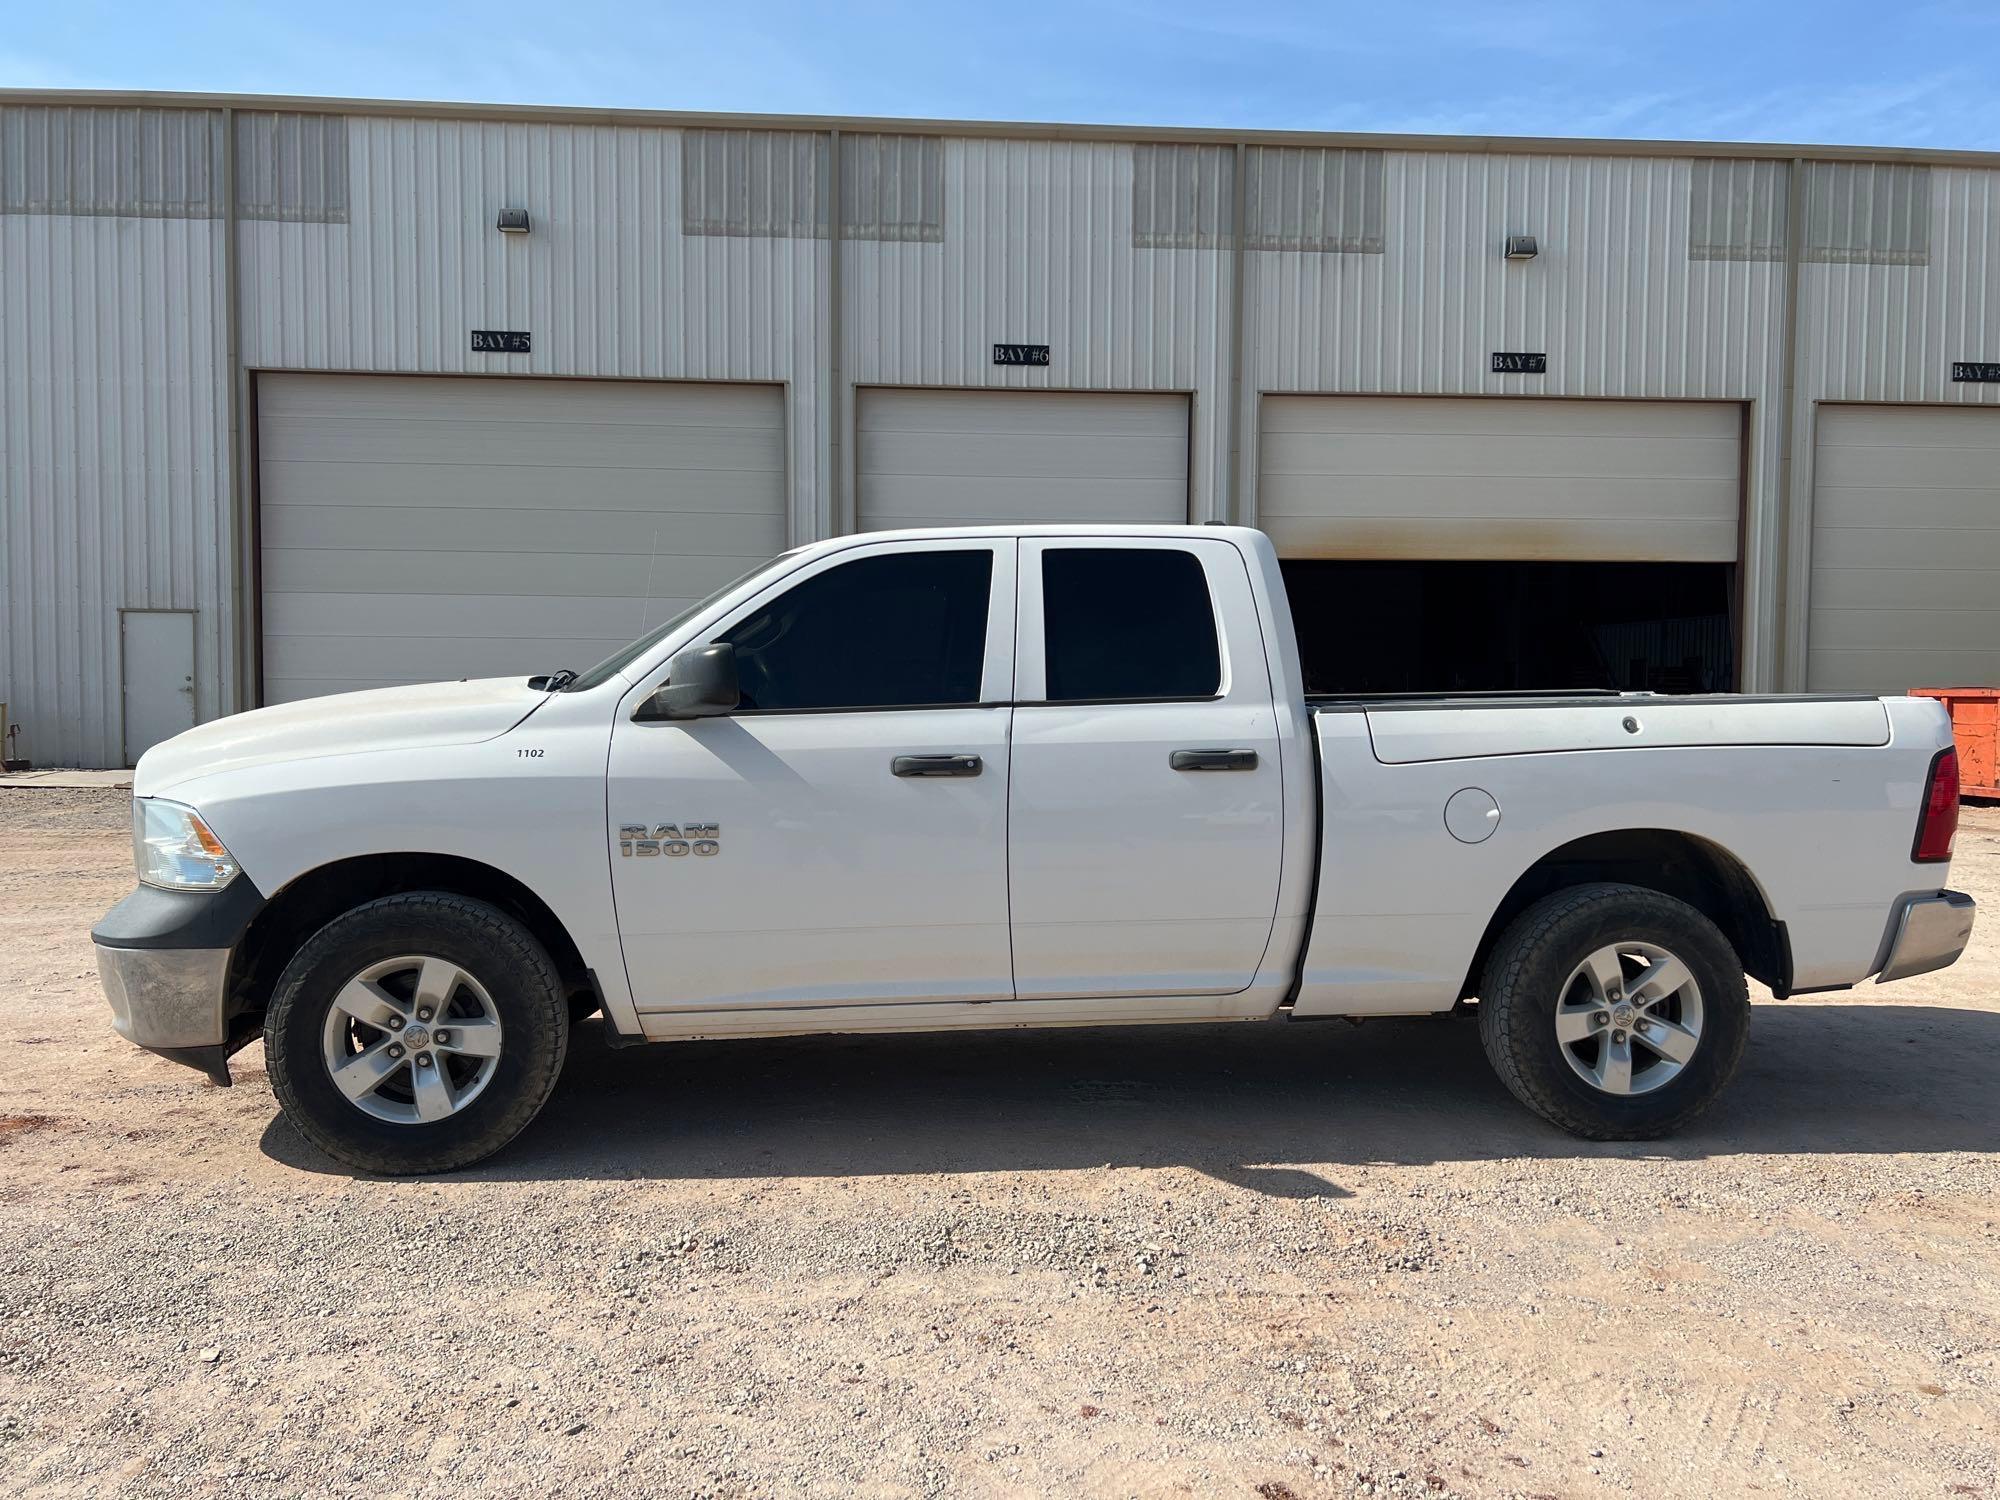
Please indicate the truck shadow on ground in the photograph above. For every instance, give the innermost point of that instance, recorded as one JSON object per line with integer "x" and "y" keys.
{"x": 1277, "y": 1109}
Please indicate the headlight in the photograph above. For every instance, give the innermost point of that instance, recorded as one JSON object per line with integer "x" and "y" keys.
{"x": 173, "y": 848}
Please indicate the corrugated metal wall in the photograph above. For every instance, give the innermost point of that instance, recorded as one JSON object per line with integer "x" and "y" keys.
{"x": 1039, "y": 246}
{"x": 113, "y": 413}
{"x": 1615, "y": 298}
{"x": 367, "y": 242}
{"x": 607, "y": 282}
{"x": 1890, "y": 330}
{"x": 111, "y": 163}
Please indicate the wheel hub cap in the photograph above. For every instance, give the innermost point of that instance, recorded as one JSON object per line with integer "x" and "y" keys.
{"x": 1629, "y": 1018}
{"x": 411, "y": 1040}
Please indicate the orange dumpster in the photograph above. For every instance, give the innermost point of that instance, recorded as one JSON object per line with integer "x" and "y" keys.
{"x": 1975, "y": 728}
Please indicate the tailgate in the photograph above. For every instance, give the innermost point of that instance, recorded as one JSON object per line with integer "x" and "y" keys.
{"x": 1404, "y": 735}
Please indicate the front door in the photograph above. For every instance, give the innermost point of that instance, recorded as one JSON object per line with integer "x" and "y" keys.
{"x": 1146, "y": 820}
{"x": 848, "y": 844}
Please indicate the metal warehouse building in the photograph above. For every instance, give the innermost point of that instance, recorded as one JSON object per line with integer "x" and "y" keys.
{"x": 309, "y": 395}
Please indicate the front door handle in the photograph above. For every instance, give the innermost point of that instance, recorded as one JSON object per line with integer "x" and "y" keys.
{"x": 937, "y": 765}
{"x": 1213, "y": 760}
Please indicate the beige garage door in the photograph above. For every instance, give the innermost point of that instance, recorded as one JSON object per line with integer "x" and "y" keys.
{"x": 416, "y": 528}
{"x": 954, "y": 458}
{"x": 1500, "y": 479}
{"x": 1905, "y": 549}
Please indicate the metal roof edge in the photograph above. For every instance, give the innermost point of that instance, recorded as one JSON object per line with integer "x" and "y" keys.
{"x": 1001, "y": 129}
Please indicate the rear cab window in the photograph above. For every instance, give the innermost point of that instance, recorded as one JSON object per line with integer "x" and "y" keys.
{"x": 1125, "y": 624}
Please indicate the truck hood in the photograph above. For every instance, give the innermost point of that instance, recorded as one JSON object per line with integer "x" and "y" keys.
{"x": 397, "y": 718}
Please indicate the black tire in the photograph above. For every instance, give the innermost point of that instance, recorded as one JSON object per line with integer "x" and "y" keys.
{"x": 493, "y": 948}
{"x": 1521, "y": 988}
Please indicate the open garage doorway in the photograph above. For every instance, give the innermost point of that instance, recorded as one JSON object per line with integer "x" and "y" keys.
{"x": 1422, "y": 627}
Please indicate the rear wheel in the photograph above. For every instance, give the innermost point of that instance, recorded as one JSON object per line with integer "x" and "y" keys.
{"x": 416, "y": 1033}
{"x": 1613, "y": 1011}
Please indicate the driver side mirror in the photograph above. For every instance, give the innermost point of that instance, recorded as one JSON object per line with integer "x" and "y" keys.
{"x": 701, "y": 684}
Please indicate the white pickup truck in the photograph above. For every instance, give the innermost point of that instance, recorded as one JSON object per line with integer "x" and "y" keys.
{"x": 997, "y": 777}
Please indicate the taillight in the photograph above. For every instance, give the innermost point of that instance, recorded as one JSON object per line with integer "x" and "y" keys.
{"x": 1939, "y": 823}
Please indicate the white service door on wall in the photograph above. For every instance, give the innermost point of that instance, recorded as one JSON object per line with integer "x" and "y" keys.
{"x": 158, "y": 650}
{"x": 419, "y": 528}
{"x": 1500, "y": 478}
{"x": 1905, "y": 549}
{"x": 1004, "y": 457}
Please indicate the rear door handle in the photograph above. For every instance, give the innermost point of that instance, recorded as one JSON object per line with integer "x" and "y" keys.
{"x": 936, "y": 765}
{"x": 1213, "y": 760}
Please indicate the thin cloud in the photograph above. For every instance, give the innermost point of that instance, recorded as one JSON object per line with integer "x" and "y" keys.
{"x": 1549, "y": 33}
{"x": 1909, "y": 111}
{"x": 1255, "y": 29}
{"x": 1699, "y": 69}
{"x": 21, "y": 70}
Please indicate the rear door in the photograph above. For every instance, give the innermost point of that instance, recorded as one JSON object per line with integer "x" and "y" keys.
{"x": 1145, "y": 823}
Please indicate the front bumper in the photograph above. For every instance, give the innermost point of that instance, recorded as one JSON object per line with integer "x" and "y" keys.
{"x": 1928, "y": 933}
{"x": 163, "y": 958}
{"x": 171, "y": 1001}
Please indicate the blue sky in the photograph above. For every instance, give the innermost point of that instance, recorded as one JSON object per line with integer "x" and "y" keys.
{"x": 1922, "y": 73}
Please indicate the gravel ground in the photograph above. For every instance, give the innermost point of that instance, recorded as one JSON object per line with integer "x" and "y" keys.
{"x": 1255, "y": 1260}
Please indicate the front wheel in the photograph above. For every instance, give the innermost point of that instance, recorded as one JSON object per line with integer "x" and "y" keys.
{"x": 416, "y": 1033}
{"x": 1614, "y": 1011}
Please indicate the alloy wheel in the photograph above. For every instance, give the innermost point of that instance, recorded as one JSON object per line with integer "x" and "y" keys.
{"x": 411, "y": 1040}
{"x": 1629, "y": 1018}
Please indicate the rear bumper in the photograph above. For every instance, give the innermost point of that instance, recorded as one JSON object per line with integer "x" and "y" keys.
{"x": 1928, "y": 933}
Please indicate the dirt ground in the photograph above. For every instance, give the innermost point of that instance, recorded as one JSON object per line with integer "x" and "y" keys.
{"x": 1276, "y": 1261}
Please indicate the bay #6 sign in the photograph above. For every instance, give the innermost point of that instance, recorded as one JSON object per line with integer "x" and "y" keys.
{"x": 1020, "y": 354}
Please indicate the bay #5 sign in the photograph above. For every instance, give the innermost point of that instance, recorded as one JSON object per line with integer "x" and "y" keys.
{"x": 499, "y": 341}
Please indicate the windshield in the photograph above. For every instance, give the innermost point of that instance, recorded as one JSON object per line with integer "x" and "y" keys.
{"x": 624, "y": 656}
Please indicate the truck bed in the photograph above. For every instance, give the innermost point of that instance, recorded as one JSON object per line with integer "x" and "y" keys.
{"x": 1436, "y": 809}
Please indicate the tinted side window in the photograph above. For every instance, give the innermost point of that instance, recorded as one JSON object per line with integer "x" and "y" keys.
{"x": 902, "y": 630}
{"x": 1128, "y": 622}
